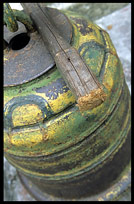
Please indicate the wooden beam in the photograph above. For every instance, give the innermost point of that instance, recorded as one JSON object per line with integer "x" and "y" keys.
{"x": 78, "y": 76}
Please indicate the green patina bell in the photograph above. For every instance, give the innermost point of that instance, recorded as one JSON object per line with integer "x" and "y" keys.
{"x": 61, "y": 153}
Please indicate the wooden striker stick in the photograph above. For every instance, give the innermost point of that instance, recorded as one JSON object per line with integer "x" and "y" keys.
{"x": 78, "y": 76}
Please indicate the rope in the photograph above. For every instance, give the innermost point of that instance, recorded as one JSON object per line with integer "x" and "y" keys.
{"x": 11, "y": 16}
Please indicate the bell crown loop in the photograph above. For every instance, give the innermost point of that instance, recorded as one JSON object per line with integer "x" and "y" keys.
{"x": 11, "y": 16}
{"x": 35, "y": 48}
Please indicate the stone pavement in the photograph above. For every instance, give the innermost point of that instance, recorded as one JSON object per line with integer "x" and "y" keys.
{"x": 118, "y": 25}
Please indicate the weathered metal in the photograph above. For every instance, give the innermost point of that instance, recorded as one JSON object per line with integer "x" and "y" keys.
{"x": 60, "y": 151}
{"x": 34, "y": 59}
{"x": 11, "y": 16}
{"x": 82, "y": 82}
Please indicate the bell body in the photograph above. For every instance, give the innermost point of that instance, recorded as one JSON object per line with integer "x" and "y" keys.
{"x": 58, "y": 151}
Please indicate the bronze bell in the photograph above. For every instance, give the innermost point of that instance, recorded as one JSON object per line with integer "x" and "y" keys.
{"x": 59, "y": 151}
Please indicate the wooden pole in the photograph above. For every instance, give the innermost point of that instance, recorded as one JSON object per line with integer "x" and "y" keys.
{"x": 78, "y": 76}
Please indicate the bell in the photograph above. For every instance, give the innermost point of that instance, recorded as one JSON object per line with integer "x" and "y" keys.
{"x": 60, "y": 152}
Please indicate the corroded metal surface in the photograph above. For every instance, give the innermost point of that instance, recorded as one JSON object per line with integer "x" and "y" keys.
{"x": 12, "y": 16}
{"x": 23, "y": 65}
{"x": 55, "y": 146}
{"x": 114, "y": 192}
{"x": 9, "y": 18}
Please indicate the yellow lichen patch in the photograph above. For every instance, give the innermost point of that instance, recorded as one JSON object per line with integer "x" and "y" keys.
{"x": 57, "y": 104}
{"x": 10, "y": 20}
{"x": 109, "y": 83}
{"x": 100, "y": 199}
{"x": 6, "y": 138}
{"x": 26, "y": 170}
{"x": 97, "y": 34}
{"x": 55, "y": 128}
{"x": 26, "y": 138}
{"x": 109, "y": 43}
{"x": 108, "y": 76}
{"x": 75, "y": 30}
{"x": 113, "y": 193}
{"x": 93, "y": 36}
{"x": 26, "y": 115}
{"x": 124, "y": 177}
{"x": 98, "y": 27}
{"x": 42, "y": 95}
{"x": 88, "y": 39}
{"x": 52, "y": 128}
{"x": 51, "y": 131}
{"x": 5, "y": 59}
{"x": 111, "y": 72}
{"x": 109, "y": 194}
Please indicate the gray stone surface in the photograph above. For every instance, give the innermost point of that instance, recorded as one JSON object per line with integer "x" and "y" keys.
{"x": 93, "y": 11}
{"x": 118, "y": 25}
{"x": 13, "y": 189}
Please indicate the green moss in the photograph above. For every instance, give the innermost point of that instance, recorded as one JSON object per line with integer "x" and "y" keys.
{"x": 29, "y": 87}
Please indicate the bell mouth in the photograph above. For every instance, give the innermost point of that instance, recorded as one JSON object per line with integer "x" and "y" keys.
{"x": 113, "y": 192}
